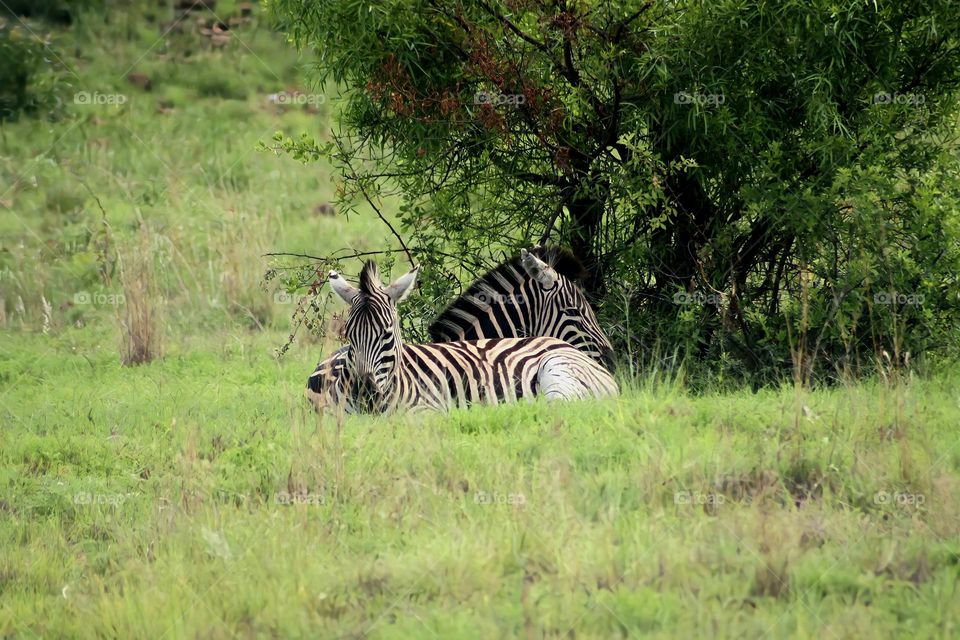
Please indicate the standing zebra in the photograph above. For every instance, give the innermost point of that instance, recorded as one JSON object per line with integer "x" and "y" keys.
{"x": 393, "y": 376}
{"x": 533, "y": 294}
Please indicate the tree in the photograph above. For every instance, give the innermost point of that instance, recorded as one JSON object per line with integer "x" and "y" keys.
{"x": 752, "y": 173}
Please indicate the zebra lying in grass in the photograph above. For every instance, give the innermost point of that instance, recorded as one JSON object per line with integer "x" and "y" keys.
{"x": 394, "y": 376}
{"x": 533, "y": 294}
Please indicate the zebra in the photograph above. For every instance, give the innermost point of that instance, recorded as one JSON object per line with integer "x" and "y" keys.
{"x": 527, "y": 297}
{"x": 532, "y": 294}
{"x": 395, "y": 376}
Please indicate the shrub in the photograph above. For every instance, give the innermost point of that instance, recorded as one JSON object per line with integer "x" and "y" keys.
{"x": 57, "y": 11}
{"x": 758, "y": 183}
{"x": 31, "y": 80}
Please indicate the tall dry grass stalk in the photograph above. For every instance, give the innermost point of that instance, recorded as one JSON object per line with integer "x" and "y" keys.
{"x": 239, "y": 245}
{"x": 141, "y": 312}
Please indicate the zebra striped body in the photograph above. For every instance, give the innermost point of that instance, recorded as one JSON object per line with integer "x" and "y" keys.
{"x": 523, "y": 297}
{"x": 386, "y": 375}
{"x": 329, "y": 386}
{"x": 445, "y": 375}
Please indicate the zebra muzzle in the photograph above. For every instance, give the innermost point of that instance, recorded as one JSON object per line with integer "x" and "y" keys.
{"x": 367, "y": 391}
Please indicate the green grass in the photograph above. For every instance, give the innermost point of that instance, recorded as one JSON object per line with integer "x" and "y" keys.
{"x": 176, "y": 170}
{"x": 198, "y": 496}
{"x": 155, "y": 499}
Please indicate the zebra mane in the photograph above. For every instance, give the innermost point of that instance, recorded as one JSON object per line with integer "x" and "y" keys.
{"x": 471, "y": 301}
{"x": 370, "y": 278}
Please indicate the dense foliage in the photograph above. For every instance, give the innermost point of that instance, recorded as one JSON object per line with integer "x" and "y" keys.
{"x": 33, "y": 77}
{"x": 55, "y": 11}
{"x": 753, "y": 185}
{"x": 30, "y": 80}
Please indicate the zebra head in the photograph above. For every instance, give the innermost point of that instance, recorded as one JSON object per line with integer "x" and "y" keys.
{"x": 373, "y": 326}
{"x": 563, "y": 311}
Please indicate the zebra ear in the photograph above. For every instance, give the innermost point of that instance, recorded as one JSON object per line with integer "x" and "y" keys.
{"x": 399, "y": 290}
{"x": 342, "y": 288}
{"x": 539, "y": 270}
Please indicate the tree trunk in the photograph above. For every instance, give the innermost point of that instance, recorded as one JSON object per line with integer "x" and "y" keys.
{"x": 585, "y": 216}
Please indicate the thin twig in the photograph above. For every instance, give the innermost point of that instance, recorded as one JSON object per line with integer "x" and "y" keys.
{"x": 366, "y": 196}
{"x": 549, "y": 228}
{"x": 358, "y": 254}
{"x": 104, "y": 256}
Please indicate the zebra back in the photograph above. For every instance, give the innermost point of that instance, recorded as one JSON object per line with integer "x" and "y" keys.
{"x": 459, "y": 374}
{"x": 508, "y": 302}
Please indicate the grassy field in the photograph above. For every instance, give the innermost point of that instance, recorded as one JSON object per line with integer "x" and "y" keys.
{"x": 198, "y": 496}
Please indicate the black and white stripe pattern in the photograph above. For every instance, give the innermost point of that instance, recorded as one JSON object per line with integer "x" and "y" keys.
{"x": 387, "y": 375}
{"x": 533, "y": 294}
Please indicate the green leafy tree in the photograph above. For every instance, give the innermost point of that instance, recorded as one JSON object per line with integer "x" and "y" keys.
{"x": 752, "y": 183}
